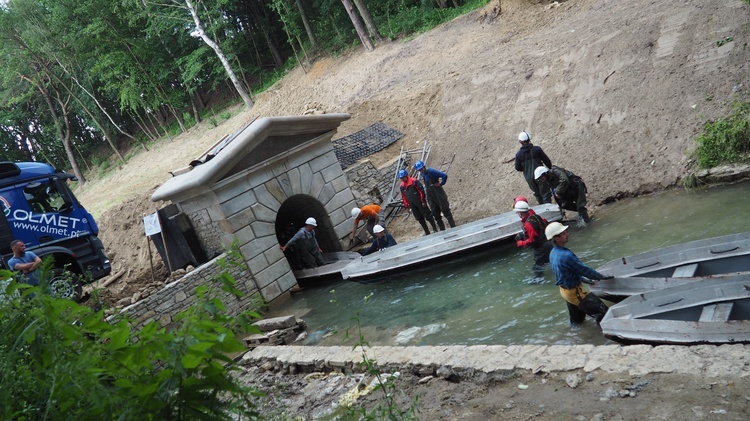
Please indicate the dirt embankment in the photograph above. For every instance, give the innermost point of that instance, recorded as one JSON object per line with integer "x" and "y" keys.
{"x": 614, "y": 91}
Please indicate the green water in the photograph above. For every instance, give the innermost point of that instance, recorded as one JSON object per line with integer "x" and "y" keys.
{"x": 492, "y": 298}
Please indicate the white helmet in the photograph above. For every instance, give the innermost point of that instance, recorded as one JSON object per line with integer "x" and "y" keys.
{"x": 311, "y": 221}
{"x": 377, "y": 229}
{"x": 523, "y": 137}
{"x": 356, "y": 212}
{"x": 521, "y": 206}
{"x": 553, "y": 229}
{"x": 540, "y": 171}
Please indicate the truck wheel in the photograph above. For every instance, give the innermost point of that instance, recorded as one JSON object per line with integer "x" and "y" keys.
{"x": 65, "y": 285}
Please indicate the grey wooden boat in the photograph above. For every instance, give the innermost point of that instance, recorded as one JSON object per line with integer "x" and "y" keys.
{"x": 708, "y": 257}
{"x": 713, "y": 311}
{"x": 620, "y": 288}
{"x": 335, "y": 261}
{"x": 462, "y": 238}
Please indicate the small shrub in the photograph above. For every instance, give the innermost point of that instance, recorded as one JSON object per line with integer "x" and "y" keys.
{"x": 725, "y": 140}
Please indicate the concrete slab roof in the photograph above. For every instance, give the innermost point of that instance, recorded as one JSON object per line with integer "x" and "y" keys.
{"x": 237, "y": 146}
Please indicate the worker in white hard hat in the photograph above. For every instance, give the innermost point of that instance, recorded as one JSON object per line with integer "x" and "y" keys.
{"x": 568, "y": 189}
{"x": 569, "y": 275}
{"x": 310, "y": 253}
{"x": 368, "y": 213}
{"x": 533, "y": 235}
{"x": 381, "y": 241}
{"x": 528, "y": 158}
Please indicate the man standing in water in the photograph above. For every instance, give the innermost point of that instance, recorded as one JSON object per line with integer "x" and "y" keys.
{"x": 569, "y": 273}
{"x": 533, "y": 235}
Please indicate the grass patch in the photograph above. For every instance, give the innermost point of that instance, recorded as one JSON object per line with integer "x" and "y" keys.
{"x": 726, "y": 140}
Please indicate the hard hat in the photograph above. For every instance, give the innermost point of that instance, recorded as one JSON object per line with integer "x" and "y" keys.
{"x": 520, "y": 199}
{"x": 402, "y": 173}
{"x": 540, "y": 171}
{"x": 521, "y": 206}
{"x": 553, "y": 229}
{"x": 418, "y": 165}
{"x": 356, "y": 212}
{"x": 311, "y": 221}
{"x": 377, "y": 229}
{"x": 523, "y": 137}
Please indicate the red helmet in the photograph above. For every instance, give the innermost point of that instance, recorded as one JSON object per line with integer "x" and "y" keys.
{"x": 520, "y": 199}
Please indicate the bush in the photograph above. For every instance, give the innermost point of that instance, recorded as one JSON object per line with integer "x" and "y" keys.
{"x": 62, "y": 361}
{"x": 725, "y": 140}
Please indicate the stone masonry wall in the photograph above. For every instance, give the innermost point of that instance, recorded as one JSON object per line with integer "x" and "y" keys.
{"x": 370, "y": 184}
{"x": 243, "y": 208}
{"x": 176, "y": 296}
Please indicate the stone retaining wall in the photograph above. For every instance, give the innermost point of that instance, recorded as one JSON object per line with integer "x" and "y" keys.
{"x": 176, "y": 296}
{"x": 488, "y": 360}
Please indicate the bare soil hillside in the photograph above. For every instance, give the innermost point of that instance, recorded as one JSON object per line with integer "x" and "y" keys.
{"x": 615, "y": 91}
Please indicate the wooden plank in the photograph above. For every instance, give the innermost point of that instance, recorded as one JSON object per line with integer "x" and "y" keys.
{"x": 686, "y": 271}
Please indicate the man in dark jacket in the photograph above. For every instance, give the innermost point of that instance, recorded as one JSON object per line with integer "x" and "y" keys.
{"x": 569, "y": 190}
{"x": 415, "y": 199}
{"x": 381, "y": 241}
{"x": 528, "y": 158}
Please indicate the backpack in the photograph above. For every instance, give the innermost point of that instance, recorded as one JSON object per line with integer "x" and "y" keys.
{"x": 539, "y": 225}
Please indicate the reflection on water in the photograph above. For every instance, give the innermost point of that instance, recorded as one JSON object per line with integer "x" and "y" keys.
{"x": 492, "y": 297}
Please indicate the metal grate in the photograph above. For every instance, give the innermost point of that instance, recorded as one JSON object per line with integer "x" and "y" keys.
{"x": 352, "y": 148}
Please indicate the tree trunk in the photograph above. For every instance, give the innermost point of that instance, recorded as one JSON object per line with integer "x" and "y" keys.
{"x": 63, "y": 132}
{"x": 366, "y": 42}
{"x": 369, "y": 21}
{"x": 214, "y": 46}
{"x": 308, "y": 28}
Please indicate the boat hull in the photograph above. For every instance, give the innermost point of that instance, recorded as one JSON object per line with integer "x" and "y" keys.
{"x": 460, "y": 239}
{"x": 714, "y": 311}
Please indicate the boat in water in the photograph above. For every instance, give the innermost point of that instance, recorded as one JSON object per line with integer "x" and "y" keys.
{"x": 675, "y": 265}
{"x": 713, "y": 311}
{"x": 459, "y": 239}
{"x": 707, "y": 257}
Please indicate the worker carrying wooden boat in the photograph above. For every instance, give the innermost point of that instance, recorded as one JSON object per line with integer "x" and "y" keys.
{"x": 368, "y": 213}
{"x": 382, "y": 241}
{"x": 568, "y": 189}
{"x": 533, "y": 235}
{"x": 569, "y": 275}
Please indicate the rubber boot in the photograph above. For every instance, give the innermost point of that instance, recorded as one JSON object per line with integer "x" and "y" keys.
{"x": 584, "y": 215}
{"x": 449, "y": 217}
{"x": 594, "y": 307}
{"x": 434, "y": 227}
{"x": 440, "y": 224}
{"x": 424, "y": 226}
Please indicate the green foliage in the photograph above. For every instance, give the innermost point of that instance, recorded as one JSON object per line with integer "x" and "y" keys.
{"x": 67, "y": 362}
{"x": 725, "y": 140}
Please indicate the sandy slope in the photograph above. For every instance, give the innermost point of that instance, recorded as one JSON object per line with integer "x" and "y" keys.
{"x": 612, "y": 90}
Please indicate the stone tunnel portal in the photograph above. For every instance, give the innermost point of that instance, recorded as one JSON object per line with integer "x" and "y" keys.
{"x": 292, "y": 215}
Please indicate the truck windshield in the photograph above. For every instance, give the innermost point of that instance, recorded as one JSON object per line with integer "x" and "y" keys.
{"x": 43, "y": 196}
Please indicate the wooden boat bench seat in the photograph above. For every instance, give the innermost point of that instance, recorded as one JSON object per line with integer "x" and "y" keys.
{"x": 716, "y": 312}
{"x": 686, "y": 271}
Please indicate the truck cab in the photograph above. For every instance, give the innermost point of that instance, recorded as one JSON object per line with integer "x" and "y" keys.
{"x": 39, "y": 209}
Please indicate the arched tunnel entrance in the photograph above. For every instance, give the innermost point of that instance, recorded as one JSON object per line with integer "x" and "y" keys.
{"x": 292, "y": 215}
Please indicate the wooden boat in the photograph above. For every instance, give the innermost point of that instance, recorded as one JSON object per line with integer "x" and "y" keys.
{"x": 620, "y": 288}
{"x": 713, "y": 311}
{"x": 708, "y": 257}
{"x": 335, "y": 261}
{"x": 445, "y": 243}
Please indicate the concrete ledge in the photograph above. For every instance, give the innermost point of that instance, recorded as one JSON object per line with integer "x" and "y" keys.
{"x": 706, "y": 360}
